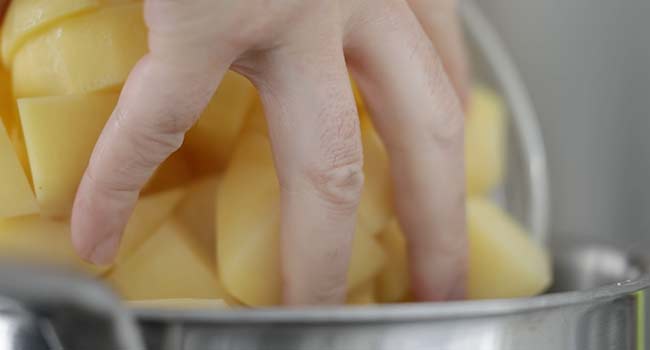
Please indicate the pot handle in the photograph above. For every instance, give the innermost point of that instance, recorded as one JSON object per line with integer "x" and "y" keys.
{"x": 70, "y": 310}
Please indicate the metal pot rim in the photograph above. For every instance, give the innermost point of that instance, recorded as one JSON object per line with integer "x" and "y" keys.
{"x": 401, "y": 312}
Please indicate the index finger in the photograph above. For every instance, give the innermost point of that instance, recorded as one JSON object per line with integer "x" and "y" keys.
{"x": 158, "y": 104}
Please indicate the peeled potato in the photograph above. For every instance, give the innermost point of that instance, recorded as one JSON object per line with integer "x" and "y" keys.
{"x": 172, "y": 173}
{"x": 6, "y": 100}
{"x": 363, "y": 295}
{"x": 248, "y": 225}
{"x": 375, "y": 208}
{"x": 255, "y": 119}
{"x": 485, "y": 142}
{"x": 367, "y": 260}
{"x": 248, "y": 222}
{"x": 26, "y": 17}
{"x": 393, "y": 283}
{"x": 40, "y": 240}
{"x": 9, "y": 115}
{"x": 166, "y": 266}
{"x": 197, "y": 212}
{"x": 180, "y": 304}
{"x": 60, "y": 134}
{"x": 149, "y": 213}
{"x": 16, "y": 196}
{"x": 210, "y": 142}
{"x": 503, "y": 261}
{"x": 88, "y": 53}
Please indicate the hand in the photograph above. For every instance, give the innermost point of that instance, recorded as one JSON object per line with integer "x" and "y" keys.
{"x": 295, "y": 52}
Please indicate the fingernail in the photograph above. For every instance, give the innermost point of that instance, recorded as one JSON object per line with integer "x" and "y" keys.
{"x": 104, "y": 252}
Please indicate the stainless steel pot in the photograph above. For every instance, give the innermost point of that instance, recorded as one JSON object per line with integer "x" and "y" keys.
{"x": 596, "y": 303}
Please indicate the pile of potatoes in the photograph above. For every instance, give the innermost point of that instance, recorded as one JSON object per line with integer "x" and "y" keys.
{"x": 207, "y": 224}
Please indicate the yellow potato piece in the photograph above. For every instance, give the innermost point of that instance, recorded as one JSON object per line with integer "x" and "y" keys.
{"x": 485, "y": 138}
{"x": 150, "y": 212}
{"x": 210, "y": 142}
{"x": 174, "y": 172}
{"x": 248, "y": 222}
{"x": 367, "y": 260}
{"x": 60, "y": 134}
{"x": 375, "y": 208}
{"x": 9, "y": 115}
{"x": 364, "y": 295}
{"x": 503, "y": 261}
{"x": 393, "y": 283}
{"x": 166, "y": 266}
{"x": 25, "y": 17}
{"x": 255, "y": 119}
{"x": 16, "y": 196}
{"x": 197, "y": 211}
{"x": 6, "y": 100}
{"x": 179, "y": 304}
{"x": 248, "y": 219}
{"x": 39, "y": 240}
{"x": 83, "y": 54}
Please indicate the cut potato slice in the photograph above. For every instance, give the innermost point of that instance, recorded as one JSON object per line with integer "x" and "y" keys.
{"x": 210, "y": 142}
{"x": 26, "y": 17}
{"x": 248, "y": 225}
{"x": 367, "y": 260}
{"x": 363, "y": 295}
{"x": 248, "y": 222}
{"x": 375, "y": 208}
{"x": 166, "y": 266}
{"x": 9, "y": 115}
{"x": 503, "y": 262}
{"x": 6, "y": 100}
{"x": 149, "y": 213}
{"x": 485, "y": 138}
{"x": 83, "y": 54}
{"x": 393, "y": 283}
{"x": 174, "y": 172}
{"x": 197, "y": 212}
{"x": 16, "y": 196}
{"x": 39, "y": 240}
{"x": 180, "y": 304}
{"x": 256, "y": 120}
{"x": 60, "y": 134}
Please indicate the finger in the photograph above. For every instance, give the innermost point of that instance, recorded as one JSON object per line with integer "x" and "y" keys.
{"x": 159, "y": 103}
{"x": 441, "y": 22}
{"x": 418, "y": 116}
{"x": 314, "y": 130}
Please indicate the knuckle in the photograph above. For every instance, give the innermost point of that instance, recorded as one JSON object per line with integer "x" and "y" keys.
{"x": 339, "y": 186}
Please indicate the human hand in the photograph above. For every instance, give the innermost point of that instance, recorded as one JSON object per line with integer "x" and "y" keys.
{"x": 295, "y": 53}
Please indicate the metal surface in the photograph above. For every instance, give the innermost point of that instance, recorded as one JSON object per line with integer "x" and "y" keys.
{"x": 43, "y": 308}
{"x": 599, "y": 317}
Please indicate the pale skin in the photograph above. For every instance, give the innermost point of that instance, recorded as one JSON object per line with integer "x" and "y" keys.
{"x": 408, "y": 60}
